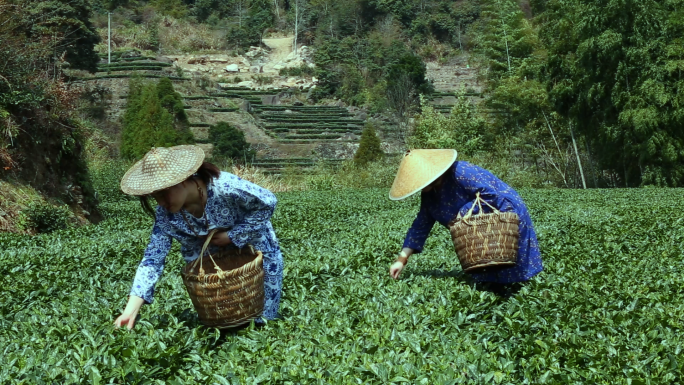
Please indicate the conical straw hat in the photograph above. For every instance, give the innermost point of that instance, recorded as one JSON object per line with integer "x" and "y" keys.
{"x": 418, "y": 169}
{"x": 162, "y": 167}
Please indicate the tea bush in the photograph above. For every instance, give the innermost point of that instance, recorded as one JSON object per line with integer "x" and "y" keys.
{"x": 607, "y": 309}
{"x": 42, "y": 217}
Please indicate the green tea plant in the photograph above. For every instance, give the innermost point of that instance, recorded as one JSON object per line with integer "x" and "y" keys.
{"x": 45, "y": 218}
{"x": 607, "y": 309}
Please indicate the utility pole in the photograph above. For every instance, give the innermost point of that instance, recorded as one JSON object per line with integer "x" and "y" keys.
{"x": 296, "y": 25}
{"x": 109, "y": 32}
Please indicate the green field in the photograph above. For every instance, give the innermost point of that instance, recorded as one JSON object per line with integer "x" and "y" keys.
{"x": 608, "y": 309}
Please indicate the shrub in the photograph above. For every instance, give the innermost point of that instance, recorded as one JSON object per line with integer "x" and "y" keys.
{"x": 229, "y": 143}
{"x": 302, "y": 70}
{"x": 462, "y": 129}
{"x": 106, "y": 177}
{"x": 147, "y": 123}
{"x": 369, "y": 148}
{"x": 45, "y": 218}
{"x": 262, "y": 79}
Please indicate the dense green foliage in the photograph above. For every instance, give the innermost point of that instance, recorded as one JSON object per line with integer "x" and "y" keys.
{"x": 369, "y": 147}
{"x": 361, "y": 52}
{"x": 608, "y": 308}
{"x": 420, "y": 20}
{"x": 171, "y": 100}
{"x": 41, "y": 141}
{"x": 462, "y": 129}
{"x": 149, "y": 123}
{"x": 45, "y": 218}
{"x": 608, "y": 74}
{"x": 504, "y": 38}
{"x": 66, "y": 24}
{"x": 229, "y": 143}
{"x": 358, "y": 69}
{"x": 251, "y": 27}
{"x": 615, "y": 69}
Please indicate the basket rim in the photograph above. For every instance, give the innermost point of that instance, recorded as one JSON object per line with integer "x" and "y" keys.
{"x": 508, "y": 217}
{"x": 491, "y": 264}
{"x": 187, "y": 273}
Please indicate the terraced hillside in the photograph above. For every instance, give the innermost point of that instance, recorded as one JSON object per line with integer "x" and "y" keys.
{"x": 127, "y": 64}
{"x": 293, "y": 165}
{"x": 287, "y": 134}
{"x": 306, "y": 124}
{"x": 294, "y": 130}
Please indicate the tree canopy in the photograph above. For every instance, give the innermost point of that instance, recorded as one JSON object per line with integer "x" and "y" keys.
{"x": 615, "y": 69}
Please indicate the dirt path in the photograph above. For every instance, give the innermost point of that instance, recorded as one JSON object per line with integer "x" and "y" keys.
{"x": 280, "y": 48}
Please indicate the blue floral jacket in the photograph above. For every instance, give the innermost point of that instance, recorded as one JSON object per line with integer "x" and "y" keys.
{"x": 241, "y": 207}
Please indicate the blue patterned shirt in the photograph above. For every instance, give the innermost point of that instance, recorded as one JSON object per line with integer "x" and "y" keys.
{"x": 457, "y": 194}
{"x": 241, "y": 207}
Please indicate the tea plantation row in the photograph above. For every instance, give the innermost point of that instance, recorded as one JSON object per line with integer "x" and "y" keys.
{"x": 608, "y": 308}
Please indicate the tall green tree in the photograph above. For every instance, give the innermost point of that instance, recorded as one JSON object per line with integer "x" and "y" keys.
{"x": 147, "y": 123}
{"x": 503, "y": 37}
{"x": 66, "y": 23}
{"x": 462, "y": 128}
{"x": 615, "y": 71}
{"x": 254, "y": 17}
{"x": 172, "y": 100}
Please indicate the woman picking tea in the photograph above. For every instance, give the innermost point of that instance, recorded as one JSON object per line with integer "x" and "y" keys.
{"x": 449, "y": 188}
{"x": 193, "y": 199}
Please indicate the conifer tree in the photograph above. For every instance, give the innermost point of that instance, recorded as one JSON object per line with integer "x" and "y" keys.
{"x": 369, "y": 147}
{"x": 171, "y": 100}
{"x": 503, "y": 37}
{"x": 128, "y": 134}
{"x": 147, "y": 123}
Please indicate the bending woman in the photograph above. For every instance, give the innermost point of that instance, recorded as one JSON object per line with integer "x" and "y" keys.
{"x": 195, "y": 197}
{"x": 449, "y": 187}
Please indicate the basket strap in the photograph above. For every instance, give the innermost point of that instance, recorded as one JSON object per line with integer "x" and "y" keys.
{"x": 478, "y": 201}
{"x": 485, "y": 202}
{"x": 204, "y": 249}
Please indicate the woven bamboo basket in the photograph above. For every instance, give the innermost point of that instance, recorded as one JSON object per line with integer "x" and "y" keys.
{"x": 485, "y": 242}
{"x": 230, "y": 292}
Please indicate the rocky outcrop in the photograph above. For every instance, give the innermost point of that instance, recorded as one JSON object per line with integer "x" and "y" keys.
{"x": 301, "y": 57}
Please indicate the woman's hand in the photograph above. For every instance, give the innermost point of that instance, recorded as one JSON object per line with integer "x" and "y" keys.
{"x": 398, "y": 265}
{"x": 396, "y": 269}
{"x": 221, "y": 238}
{"x": 130, "y": 313}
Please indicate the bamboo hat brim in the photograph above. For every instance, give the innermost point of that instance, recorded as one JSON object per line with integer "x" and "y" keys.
{"x": 162, "y": 167}
{"x": 418, "y": 169}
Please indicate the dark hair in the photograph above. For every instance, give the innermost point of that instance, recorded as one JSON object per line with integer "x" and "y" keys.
{"x": 205, "y": 173}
